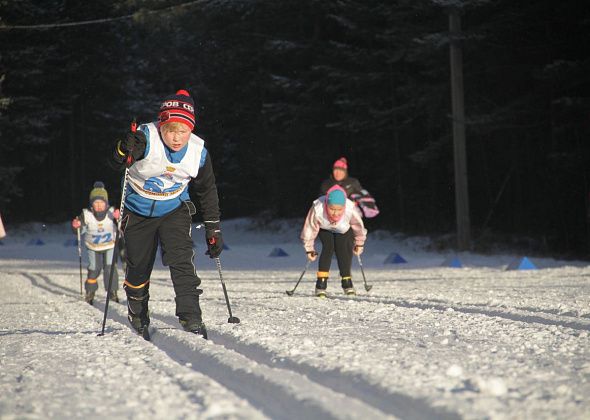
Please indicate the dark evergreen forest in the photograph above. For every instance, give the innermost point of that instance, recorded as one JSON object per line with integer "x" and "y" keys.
{"x": 283, "y": 88}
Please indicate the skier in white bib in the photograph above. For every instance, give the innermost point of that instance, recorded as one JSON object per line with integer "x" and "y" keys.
{"x": 98, "y": 227}
{"x": 167, "y": 162}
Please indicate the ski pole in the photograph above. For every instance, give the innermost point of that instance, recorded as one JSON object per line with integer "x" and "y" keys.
{"x": 290, "y": 292}
{"x": 367, "y": 286}
{"x": 128, "y": 163}
{"x": 80, "y": 258}
{"x": 232, "y": 319}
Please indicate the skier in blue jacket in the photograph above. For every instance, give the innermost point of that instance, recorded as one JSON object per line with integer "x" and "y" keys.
{"x": 168, "y": 163}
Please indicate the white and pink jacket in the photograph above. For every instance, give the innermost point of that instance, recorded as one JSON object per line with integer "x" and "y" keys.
{"x": 317, "y": 218}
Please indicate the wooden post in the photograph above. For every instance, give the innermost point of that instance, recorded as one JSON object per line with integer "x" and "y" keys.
{"x": 459, "y": 151}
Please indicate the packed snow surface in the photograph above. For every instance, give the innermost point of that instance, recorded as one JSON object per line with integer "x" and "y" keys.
{"x": 426, "y": 342}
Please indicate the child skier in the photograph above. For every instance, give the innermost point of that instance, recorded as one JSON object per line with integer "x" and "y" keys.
{"x": 340, "y": 177}
{"x": 97, "y": 224}
{"x": 339, "y": 225}
{"x": 360, "y": 196}
{"x": 167, "y": 160}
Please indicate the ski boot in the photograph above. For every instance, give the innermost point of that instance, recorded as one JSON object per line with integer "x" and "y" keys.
{"x": 114, "y": 296}
{"x": 194, "y": 326}
{"x": 320, "y": 287}
{"x": 347, "y": 286}
{"x": 91, "y": 287}
{"x": 89, "y": 297}
{"x": 138, "y": 314}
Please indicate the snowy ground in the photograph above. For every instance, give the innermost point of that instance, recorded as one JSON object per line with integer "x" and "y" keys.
{"x": 427, "y": 342}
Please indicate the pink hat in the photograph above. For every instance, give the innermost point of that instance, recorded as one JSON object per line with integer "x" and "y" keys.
{"x": 340, "y": 164}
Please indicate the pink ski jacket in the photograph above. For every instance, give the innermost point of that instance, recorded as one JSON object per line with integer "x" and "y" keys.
{"x": 317, "y": 219}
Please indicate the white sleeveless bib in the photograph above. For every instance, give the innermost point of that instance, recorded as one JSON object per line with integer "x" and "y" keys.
{"x": 155, "y": 177}
{"x": 99, "y": 235}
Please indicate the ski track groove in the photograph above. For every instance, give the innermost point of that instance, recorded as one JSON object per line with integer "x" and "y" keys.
{"x": 255, "y": 384}
{"x": 400, "y": 405}
{"x": 270, "y": 389}
{"x": 517, "y": 313}
{"x": 556, "y": 312}
{"x": 397, "y": 404}
{"x": 185, "y": 385}
{"x": 511, "y": 314}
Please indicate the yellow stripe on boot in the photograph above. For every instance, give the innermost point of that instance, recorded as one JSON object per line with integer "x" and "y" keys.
{"x": 347, "y": 286}
{"x": 321, "y": 284}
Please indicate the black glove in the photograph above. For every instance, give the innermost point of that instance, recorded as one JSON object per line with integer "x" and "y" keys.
{"x": 214, "y": 243}
{"x": 133, "y": 145}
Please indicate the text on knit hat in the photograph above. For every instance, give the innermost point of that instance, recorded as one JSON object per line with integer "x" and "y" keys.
{"x": 178, "y": 108}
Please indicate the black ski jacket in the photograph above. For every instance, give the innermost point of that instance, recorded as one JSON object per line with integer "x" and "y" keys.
{"x": 350, "y": 185}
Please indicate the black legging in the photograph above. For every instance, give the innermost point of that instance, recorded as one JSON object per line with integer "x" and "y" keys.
{"x": 343, "y": 244}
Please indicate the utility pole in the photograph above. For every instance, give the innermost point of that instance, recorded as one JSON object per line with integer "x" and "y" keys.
{"x": 459, "y": 152}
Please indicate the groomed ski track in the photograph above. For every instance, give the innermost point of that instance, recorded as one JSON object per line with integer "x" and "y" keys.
{"x": 279, "y": 390}
{"x": 248, "y": 364}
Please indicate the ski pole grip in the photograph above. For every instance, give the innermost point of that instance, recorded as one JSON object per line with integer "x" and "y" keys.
{"x": 129, "y": 159}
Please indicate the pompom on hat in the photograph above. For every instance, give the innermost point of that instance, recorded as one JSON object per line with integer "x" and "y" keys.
{"x": 99, "y": 192}
{"x": 341, "y": 164}
{"x": 178, "y": 108}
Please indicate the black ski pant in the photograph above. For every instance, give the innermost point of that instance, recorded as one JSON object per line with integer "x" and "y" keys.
{"x": 342, "y": 244}
{"x": 173, "y": 233}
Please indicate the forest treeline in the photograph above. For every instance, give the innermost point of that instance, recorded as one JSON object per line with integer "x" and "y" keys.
{"x": 283, "y": 88}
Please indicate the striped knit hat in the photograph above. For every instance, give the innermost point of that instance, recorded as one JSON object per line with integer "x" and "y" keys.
{"x": 178, "y": 108}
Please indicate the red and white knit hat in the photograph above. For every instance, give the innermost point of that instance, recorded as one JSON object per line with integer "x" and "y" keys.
{"x": 178, "y": 108}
